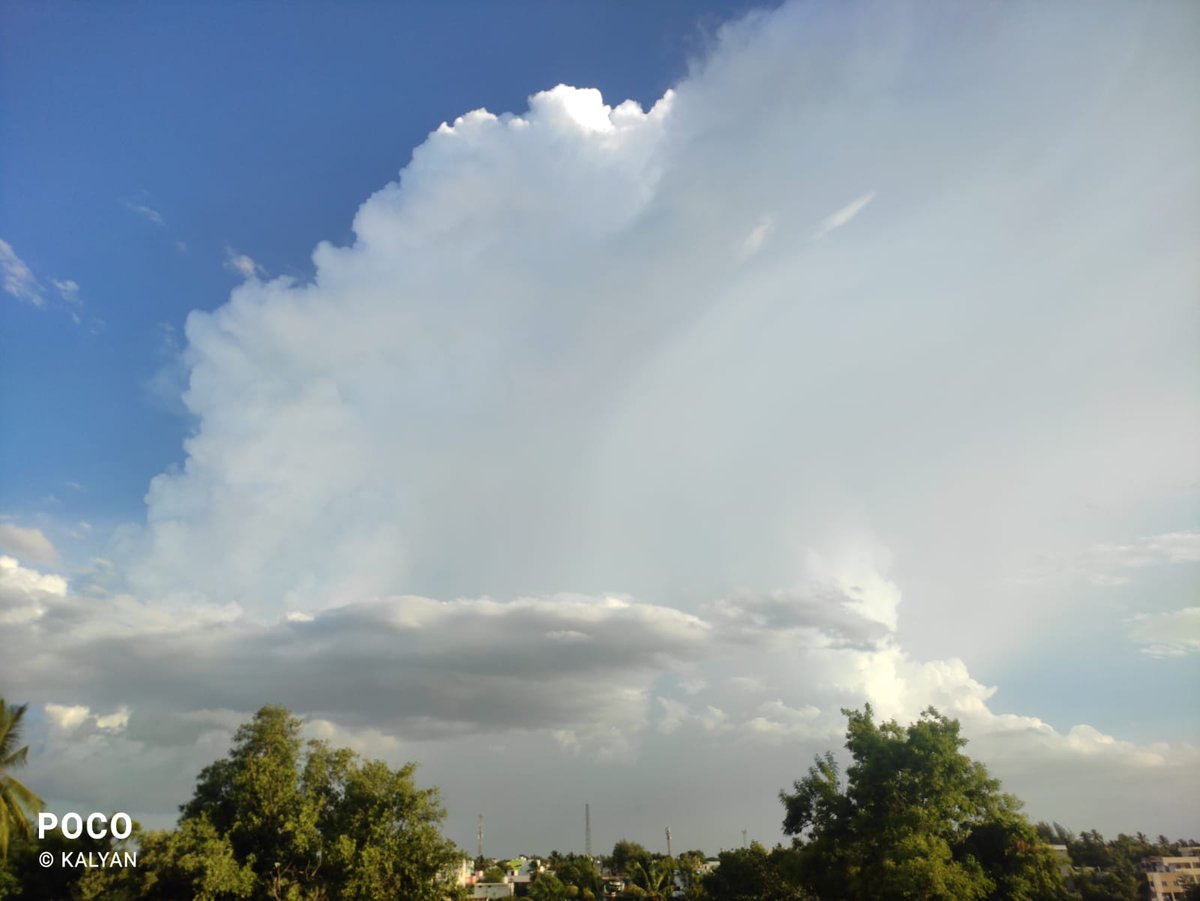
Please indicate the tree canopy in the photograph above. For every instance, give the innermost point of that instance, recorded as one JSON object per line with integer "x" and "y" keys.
{"x": 910, "y": 817}
{"x": 16, "y": 801}
{"x": 913, "y": 818}
{"x": 313, "y": 821}
{"x": 278, "y": 818}
{"x": 755, "y": 874}
{"x": 628, "y": 856}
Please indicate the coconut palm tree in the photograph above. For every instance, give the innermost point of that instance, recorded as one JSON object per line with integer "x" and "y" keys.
{"x": 15, "y": 798}
{"x": 656, "y": 880}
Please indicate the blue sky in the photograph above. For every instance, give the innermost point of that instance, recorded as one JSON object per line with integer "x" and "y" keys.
{"x": 242, "y": 126}
{"x": 347, "y": 362}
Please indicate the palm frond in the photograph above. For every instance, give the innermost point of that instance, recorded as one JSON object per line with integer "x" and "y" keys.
{"x": 17, "y": 801}
{"x": 19, "y": 793}
{"x": 10, "y": 728}
{"x": 13, "y": 760}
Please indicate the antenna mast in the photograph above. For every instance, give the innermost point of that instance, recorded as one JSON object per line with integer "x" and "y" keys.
{"x": 668, "y": 841}
{"x": 480, "y": 845}
{"x": 587, "y": 829}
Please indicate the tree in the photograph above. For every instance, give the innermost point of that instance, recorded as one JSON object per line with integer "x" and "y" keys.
{"x": 193, "y": 861}
{"x": 916, "y": 818}
{"x": 30, "y": 879}
{"x": 547, "y": 887}
{"x": 254, "y": 797}
{"x": 627, "y": 856}
{"x": 315, "y": 822}
{"x": 16, "y": 801}
{"x": 689, "y": 868}
{"x": 655, "y": 879}
{"x": 1112, "y": 885}
{"x": 578, "y": 870}
{"x": 754, "y": 874}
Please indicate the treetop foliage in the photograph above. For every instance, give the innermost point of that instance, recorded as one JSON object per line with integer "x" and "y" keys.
{"x": 279, "y": 818}
{"x": 16, "y": 801}
{"x": 914, "y": 817}
{"x": 911, "y": 817}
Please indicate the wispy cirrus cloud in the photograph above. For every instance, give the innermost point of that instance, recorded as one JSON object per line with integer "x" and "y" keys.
{"x": 1175, "y": 633}
{"x": 147, "y": 212}
{"x": 19, "y": 280}
{"x": 243, "y": 264}
{"x": 68, "y": 289}
{"x": 843, "y": 216}
{"x": 1112, "y": 563}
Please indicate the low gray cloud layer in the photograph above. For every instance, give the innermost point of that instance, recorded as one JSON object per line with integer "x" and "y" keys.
{"x": 423, "y": 667}
{"x": 141, "y": 689}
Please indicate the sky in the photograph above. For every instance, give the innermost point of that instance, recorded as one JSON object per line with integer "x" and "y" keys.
{"x": 589, "y": 401}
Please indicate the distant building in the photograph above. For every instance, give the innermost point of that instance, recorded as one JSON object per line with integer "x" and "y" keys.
{"x": 1063, "y": 859}
{"x": 461, "y": 872}
{"x": 492, "y": 890}
{"x": 1168, "y": 878}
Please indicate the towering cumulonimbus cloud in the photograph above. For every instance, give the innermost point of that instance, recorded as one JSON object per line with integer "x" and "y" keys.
{"x": 600, "y": 348}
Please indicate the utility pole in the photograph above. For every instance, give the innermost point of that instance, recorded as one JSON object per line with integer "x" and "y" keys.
{"x": 668, "y": 841}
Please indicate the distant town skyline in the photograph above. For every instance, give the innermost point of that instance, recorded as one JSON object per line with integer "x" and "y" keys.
{"x": 588, "y": 402}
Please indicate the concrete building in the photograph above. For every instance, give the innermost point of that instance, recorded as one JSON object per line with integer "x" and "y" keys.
{"x": 492, "y": 890}
{"x": 1168, "y": 878}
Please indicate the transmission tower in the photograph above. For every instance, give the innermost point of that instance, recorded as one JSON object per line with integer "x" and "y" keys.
{"x": 668, "y": 841}
{"x": 480, "y": 845}
{"x": 587, "y": 829}
{"x": 743, "y": 838}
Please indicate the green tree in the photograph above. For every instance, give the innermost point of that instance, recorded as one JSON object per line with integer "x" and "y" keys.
{"x": 655, "y": 878}
{"x": 313, "y": 822}
{"x": 1106, "y": 885}
{"x": 578, "y": 870}
{"x": 254, "y": 797}
{"x": 193, "y": 861}
{"x": 627, "y": 856}
{"x": 16, "y": 801}
{"x": 754, "y": 874}
{"x": 689, "y": 870}
{"x": 29, "y": 879}
{"x": 916, "y": 818}
{"x": 547, "y": 887}
{"x": 386, "y": 837}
